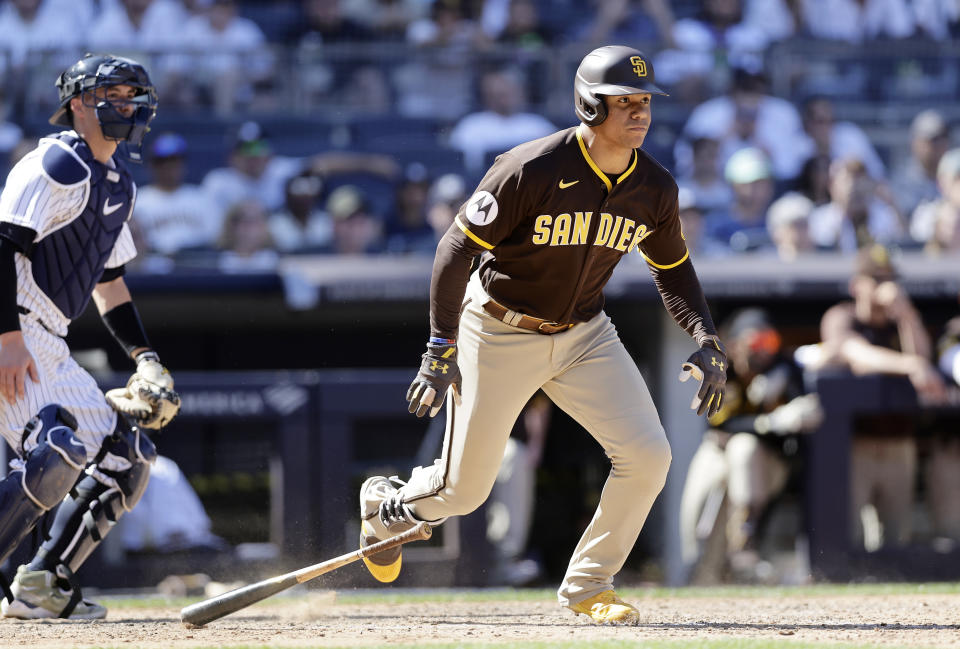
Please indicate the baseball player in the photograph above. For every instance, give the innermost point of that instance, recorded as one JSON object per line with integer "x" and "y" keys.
{"x": 551, "y": 219}
{"x": 64, "y": 239}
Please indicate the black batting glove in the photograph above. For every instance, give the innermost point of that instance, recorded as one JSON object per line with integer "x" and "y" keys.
{"x": 438, "y": 372}
{"x": 708, "y": 365}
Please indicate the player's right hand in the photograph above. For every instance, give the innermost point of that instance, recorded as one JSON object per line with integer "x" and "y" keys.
{"x": 16, "y": 364}
{"x": 438, "y": 372}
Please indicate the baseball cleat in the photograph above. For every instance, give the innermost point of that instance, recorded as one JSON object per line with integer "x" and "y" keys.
{"x": 37, "y": 595}
{"x": 607, "y": 608}
{"x": 384, "y": 566}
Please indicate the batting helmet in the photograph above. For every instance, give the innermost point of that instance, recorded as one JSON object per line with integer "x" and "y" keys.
{"x": 102, "y": 70}
{"x": 610, "y": 70}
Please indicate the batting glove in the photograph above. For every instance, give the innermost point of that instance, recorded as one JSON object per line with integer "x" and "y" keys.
{"x": 149, "y": 397}
{"x": 708, "y": 365}
{"x": 438, "y": 372}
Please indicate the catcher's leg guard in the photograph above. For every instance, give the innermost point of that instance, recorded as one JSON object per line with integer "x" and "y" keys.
{"x": 51, "y": 467}
{"x": 97, "y": 503}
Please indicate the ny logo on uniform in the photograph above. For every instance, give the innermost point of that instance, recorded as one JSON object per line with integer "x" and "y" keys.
{"x": 716, "y": 363}
{"x": 435, "y": 365}
{"x": 639, "y": 66}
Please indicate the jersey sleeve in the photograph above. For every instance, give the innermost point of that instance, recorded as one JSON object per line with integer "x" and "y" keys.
{"x": 33, "y": 199}
{"x": 496, "y": 207}
{"x": 666, "y": 247}
{"x": 124, "y": 249}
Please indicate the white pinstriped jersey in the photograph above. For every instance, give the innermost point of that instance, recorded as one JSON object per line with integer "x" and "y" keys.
{"x": 34, "y": 200}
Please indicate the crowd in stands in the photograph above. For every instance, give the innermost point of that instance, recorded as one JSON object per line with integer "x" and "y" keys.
{"x": 403, "y": 104}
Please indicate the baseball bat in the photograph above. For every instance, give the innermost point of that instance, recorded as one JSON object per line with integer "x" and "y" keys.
{"x": 208, "y": 610}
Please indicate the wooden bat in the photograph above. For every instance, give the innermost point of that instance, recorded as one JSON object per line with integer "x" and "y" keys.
{"x": 196, "y": 615}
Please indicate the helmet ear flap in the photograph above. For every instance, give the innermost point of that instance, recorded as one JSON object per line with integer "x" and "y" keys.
{"x": 590, "y": 108}
{"x": 600, "y": 110}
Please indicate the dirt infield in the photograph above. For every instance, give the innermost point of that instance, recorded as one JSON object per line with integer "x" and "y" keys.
{"x": 320, "y": 620}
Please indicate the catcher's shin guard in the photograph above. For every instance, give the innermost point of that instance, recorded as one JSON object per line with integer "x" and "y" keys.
{"x": 42, "y": 480}
{"x": 97, "y": 503}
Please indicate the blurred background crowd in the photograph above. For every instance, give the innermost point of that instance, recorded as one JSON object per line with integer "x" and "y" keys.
{"x": 328, "y": 126}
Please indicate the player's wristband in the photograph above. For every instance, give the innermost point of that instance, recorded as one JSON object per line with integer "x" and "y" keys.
{"x": 443, "y": 341}
{"x": 123, "y": 322}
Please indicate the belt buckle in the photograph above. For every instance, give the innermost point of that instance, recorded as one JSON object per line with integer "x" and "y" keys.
{"x": 556, "y": 325}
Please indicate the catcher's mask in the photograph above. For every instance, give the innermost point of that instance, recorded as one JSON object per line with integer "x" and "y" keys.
{"x": 610, "y": 70}
{"x": 100, "y": 71}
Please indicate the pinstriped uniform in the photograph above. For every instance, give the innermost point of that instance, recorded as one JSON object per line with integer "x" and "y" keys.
{"x": 551, "y": 227}
{"x": 32, "y": 199}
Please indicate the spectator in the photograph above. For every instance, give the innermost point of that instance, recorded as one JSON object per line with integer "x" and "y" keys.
{"x": 439, "y": 85}
{"x": 255, "y": 171}
{"x": 937, "y": 19}
{"x": 813, "y": 180}
{"x": 231, "y": 58}
{"x": 407, "y": 228}
{"x": 367, "y": 92}
{"x": 616, "y": 21}
{"x": 383, "y": 19}
{"x": 856, "y": 215}
{"x": 10, "y": 134}
{"x": 937, "y": 222}
{"x": 302, "y": 226}
{"x": 747, "y": 455}
{"x": 855, "y": 21}
{"x": 692, "y": 222}
{"x": 149, "y": 26}
{"x": 173, "y": 216}
{"x": 708, "y": 45}
{"x": 328, "y": 21}
{"x": 915, "y": 181}
{"x": 741, "y": 227}
{"x": 705, "y": 180}
{"x": 515, "y": 22}
{"x": 245, "y": 243}
{"x": 501, "y": 125}
{"x": 881, "y": 332}
{"x": 746, "y": 116}
{"x": 154, "y": 29}
{"x": 356, "y": 230}
{"x": 839, "y": 140}
{"x": 788, "y": 222}
{"x": 447, "y": 193}
{"x": 30, "y": 27}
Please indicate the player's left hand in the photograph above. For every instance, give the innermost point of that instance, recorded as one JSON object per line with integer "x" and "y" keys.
{"x": 708, "y": 365}
{"x": 149, "y": 396}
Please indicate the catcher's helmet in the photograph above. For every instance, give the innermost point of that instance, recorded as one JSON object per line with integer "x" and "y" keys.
{"x": 610, "y": 70}
{"x": 102, "y": 70}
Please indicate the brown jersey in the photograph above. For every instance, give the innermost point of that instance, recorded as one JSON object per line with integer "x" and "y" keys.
{"x": 552, "y": 227}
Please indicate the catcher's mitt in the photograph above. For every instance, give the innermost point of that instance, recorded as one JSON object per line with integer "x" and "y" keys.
{"x": 149, "y": 397}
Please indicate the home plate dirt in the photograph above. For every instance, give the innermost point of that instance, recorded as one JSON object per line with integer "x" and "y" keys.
{"x": 319, "y": 620}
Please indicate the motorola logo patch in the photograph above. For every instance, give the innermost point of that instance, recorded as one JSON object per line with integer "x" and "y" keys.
{"x": 481, "y": 208}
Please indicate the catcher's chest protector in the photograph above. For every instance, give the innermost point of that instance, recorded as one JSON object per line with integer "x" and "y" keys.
{"x": 68, "y": 262}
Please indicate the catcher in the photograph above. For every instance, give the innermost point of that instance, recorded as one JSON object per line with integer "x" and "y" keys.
{"x": 64, "y": 239}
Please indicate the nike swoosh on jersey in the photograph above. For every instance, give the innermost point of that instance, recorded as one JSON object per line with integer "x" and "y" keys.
{"x": 564, "y": 185}
{"x": 109, "y": 209}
